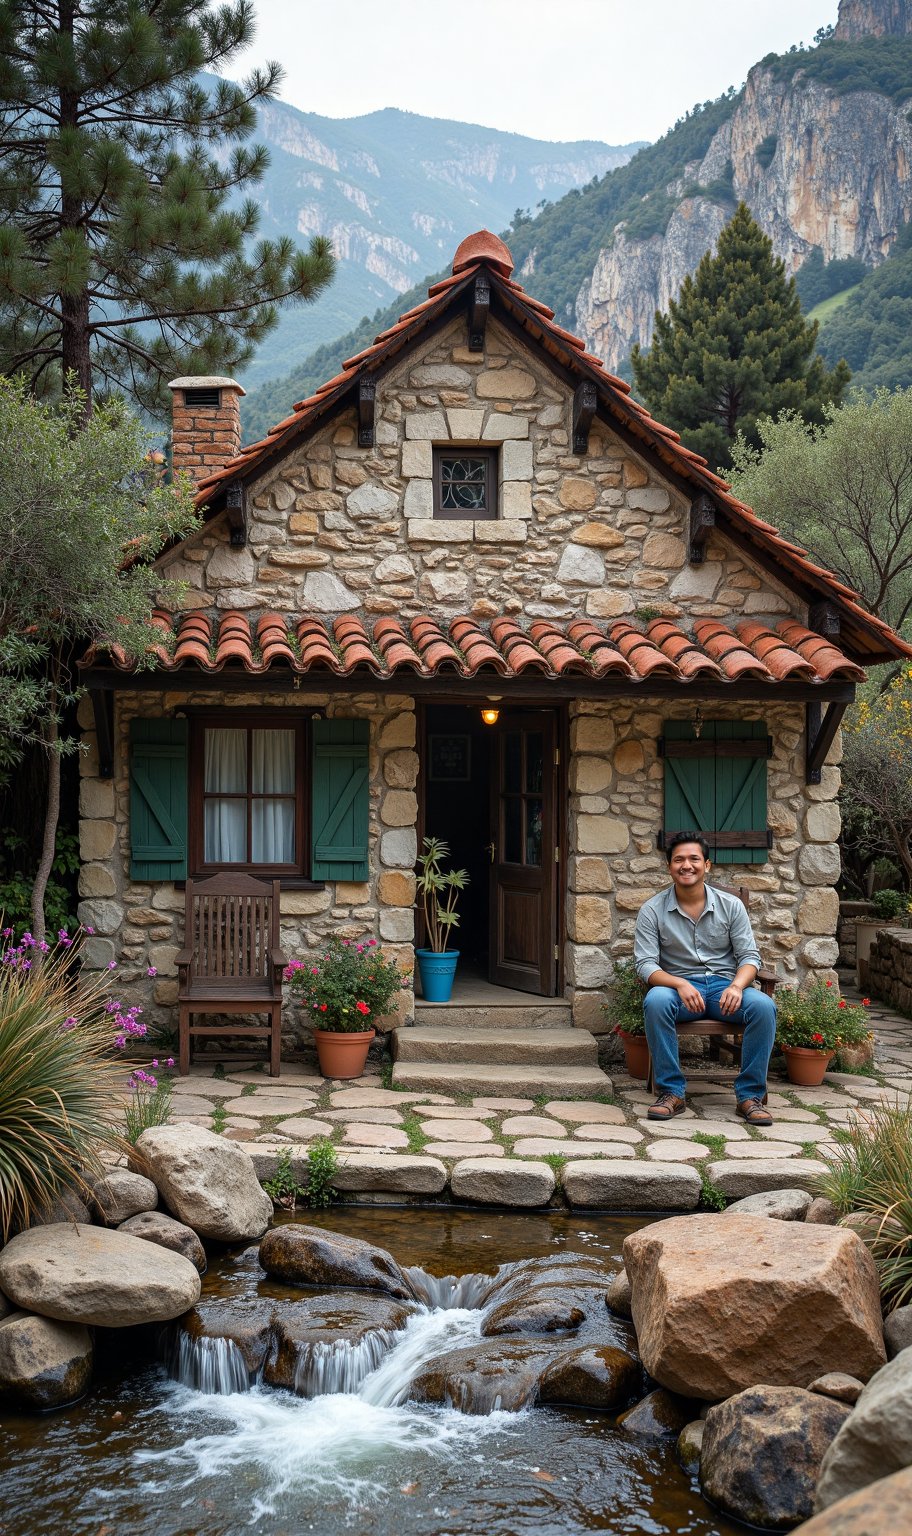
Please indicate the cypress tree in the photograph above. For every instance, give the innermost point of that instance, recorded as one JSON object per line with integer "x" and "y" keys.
{"x": 126, "y": 238}
{"x": 734, "y": 347}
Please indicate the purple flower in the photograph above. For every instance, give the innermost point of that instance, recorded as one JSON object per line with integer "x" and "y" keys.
{"x": 89, "y": 929}
{"x": 69, "y": 1023}
{"x": 151, "y": 970}
{"x": 112, "y": 965}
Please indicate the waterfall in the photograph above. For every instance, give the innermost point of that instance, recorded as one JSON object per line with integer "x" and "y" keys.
{"x": 425, "y": 1336}
{"x": 341, "y": 1366}
{"x": 208, "y": 1364}
{"x": 447, "y": 1290}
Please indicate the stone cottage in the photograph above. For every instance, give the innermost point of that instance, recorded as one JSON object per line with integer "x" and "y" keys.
{"x": 470, "y": 588}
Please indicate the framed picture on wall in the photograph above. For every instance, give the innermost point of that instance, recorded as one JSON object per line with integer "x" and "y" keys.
{"x": 449, "y": 758}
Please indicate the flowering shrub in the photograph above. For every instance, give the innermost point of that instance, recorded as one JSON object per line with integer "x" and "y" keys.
{"x": 818, "y": 1018}
{"x": 151, "y": 1101}
{"x": 347, "y": 987}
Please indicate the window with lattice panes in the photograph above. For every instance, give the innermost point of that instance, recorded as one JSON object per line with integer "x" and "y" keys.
{"x": 465, "y": 483}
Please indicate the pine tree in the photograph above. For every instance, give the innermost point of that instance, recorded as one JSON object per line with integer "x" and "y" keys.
{"x": 734, "y": 347}
{"x": 126, "y": 240}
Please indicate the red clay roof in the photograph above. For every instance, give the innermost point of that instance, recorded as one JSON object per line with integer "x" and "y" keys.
{"x": 869, "y": 637}
{"x": 426, "y": 647}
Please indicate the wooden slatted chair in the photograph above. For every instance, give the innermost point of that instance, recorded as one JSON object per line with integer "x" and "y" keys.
{"x": 715, "y": 1031}
{"x": 231, "y": 962}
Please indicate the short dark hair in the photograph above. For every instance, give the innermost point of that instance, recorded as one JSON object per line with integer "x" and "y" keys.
{"x": 686, "y": 837}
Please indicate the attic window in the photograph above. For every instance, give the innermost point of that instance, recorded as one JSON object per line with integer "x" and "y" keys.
{"x": 465, "y": 483}
{"x": 206, "y": 396}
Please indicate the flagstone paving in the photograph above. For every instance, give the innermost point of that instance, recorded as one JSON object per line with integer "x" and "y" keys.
{"x": 413, "y": 1141}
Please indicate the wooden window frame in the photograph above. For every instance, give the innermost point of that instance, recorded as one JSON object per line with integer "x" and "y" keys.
{"x": 249, "y": 720}
{"x": 444, "y": 451}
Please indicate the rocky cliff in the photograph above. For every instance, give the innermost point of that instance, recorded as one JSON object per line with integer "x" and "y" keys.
{"x": 873, "y": 18}
{"x": 819, "y": 168}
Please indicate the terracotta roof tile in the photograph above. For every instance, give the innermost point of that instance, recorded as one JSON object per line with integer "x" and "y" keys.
{"x": 426, "y": 647}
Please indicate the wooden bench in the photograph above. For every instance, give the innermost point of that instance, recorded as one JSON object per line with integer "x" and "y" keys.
{"x": 715, "y": 1030}
{"x": 231, "y": 962}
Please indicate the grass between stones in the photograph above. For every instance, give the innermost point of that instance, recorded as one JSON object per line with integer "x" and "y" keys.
{"x": 247, "y": 1090}
{"x": 218, "y": 1118}
{"x": 417, "y": 1139}
{"x": 809, "y": 1149}
{"x": 716, "y": 1144}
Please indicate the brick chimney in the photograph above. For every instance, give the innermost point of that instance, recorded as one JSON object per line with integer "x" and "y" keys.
{"x": 205, "y": 423}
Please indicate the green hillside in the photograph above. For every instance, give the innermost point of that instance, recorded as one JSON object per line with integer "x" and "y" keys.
{"x": 872, "y": 329}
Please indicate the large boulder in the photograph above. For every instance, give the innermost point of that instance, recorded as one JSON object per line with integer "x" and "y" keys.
{"x": 330, "y": 1343}
{"x": 156, "y": 1227}
{"x": 898, "y": 1331}
{"x": 880, "y": 1509}
{"x": 122, "y": 1194}
{"x": 91, "y": 1275}
{"x": 762, "y": 1451}
{"x": 310, "y": 1256}
{"x": 779, "y": 1204}
{"x": 43, "y": 1364}
{"x": 209, "y": 1183}
{"x": 725, "y": 1303}
{"x": 876, "y": 1439}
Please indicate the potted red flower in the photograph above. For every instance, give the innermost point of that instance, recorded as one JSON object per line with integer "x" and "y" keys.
{"x": 343, "y": 991}
{"x": 623, "y": 1009}
{"x": 812, "y": 1024}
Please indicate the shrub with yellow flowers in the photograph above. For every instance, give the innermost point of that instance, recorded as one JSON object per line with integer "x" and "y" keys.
{"x": 877, "y": 774}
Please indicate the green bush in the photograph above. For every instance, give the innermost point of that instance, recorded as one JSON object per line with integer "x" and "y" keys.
{"x": 60, "y": 1087}
{"x": 890, "y": 904}
{"x": 17, "y": 873}
{"x": 817, "y": 1018}
{"x": 623, "y": 1007}
{"x": 871, "y": 1172}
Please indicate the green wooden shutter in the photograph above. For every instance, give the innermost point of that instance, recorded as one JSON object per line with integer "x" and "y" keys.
{"x": 340, "y": 799}
{"x": 158, "y": 799}
{"x": 721, "y": 793}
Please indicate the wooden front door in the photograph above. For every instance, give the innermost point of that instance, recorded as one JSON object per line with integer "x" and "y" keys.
{"x": 523, "y": 940}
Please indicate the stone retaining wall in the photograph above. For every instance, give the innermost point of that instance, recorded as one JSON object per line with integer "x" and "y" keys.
{"x": 891, "y": 968}
{"x": 849, "y": 914}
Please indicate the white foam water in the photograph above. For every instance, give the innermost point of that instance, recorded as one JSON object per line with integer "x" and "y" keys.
{"x": 209, "y": 1365}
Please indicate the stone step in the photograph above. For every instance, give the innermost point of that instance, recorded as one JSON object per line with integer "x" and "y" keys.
{"x": 537, "y": 1013}
{"x": 501, "y": 1081}
{"x": 499, "y": 1047}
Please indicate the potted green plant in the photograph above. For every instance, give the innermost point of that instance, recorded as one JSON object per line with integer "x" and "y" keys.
{"x": 439, "y": 892}
{"x": 623, "y": 1009}
{"x": 812, "y": 1024}
{"x": 343, "y": 991}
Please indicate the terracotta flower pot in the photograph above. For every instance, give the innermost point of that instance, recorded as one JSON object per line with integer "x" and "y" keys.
{"x": 342, "y": 1054}
{"x": 806, "y": 1067}
{"x": 636, "y": 1053}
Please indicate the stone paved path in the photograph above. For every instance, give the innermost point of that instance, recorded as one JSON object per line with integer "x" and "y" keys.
{"x": 405, "y": 1142}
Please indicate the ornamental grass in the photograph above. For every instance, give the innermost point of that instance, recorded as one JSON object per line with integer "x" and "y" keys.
{"x": 871, "y": 1173}
{"x": 61, "y": 1088}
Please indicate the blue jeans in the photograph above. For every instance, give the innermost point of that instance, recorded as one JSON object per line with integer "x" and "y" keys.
{"x": 662, "y": 1008}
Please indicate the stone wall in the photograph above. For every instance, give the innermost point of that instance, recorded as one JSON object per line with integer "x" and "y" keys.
{"x": 337, "y": 528}
{"x": 616, "y": 784}
{"x": 890, "y": 968}
{"x": 141, "y": 925}
{"x": 849, "y": 913}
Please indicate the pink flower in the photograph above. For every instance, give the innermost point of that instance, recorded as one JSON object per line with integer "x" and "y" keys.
{"x": 112, "y": 965}
{"x": 69, "y": 1023}
{"x": 89, "y": 929}
{"x": 151, "y": 970}
{"x": 372, "y": 943}
{"x": 314, "y": 970}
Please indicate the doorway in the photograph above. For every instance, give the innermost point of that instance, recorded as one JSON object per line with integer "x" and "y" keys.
{"x": 491, "y": 793}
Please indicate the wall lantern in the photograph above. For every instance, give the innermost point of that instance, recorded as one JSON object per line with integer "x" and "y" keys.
{"x": 490, "y": 716}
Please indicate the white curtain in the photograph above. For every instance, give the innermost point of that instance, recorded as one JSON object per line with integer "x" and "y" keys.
{"x": 272, "y": 821}
{"x": 272, "y": 773}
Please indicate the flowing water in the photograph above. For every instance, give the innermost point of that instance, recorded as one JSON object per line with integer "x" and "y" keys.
{"x": 203, "y": 1449}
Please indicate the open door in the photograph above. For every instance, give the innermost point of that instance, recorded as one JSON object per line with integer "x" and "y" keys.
{"x": 523, "y": 914}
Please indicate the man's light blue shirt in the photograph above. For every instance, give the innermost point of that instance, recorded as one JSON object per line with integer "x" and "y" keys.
{"x": 716, "y": 944}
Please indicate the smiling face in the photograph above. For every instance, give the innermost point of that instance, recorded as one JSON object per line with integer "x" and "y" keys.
{"x": 687, "y": 866}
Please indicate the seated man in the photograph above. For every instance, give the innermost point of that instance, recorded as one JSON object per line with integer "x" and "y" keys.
{"x": 695, "y": 951}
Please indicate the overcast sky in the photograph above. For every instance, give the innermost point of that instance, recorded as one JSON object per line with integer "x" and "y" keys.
{"x": 552, "y": 69}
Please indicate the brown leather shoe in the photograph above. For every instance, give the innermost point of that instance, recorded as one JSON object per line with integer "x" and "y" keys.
{"x": 753, "y": 1112}
{"x": 665, "y": 1107}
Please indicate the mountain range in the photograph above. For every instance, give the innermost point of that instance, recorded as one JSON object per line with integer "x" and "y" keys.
{"x": 817, "y": 142}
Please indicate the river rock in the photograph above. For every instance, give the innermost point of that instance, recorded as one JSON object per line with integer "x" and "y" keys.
{"x": 246, "y": 1321}
{"x": 898, "y": 1331}
{"x": 209, "y": 1183}
{"x": 96, "y": 1276}
{"x": 762, "y": 1451}
{"x": 330, "y": 1343}
{"x": 544, "y": 1311}
{"x": 483, "y": 1377}
{"x": 43, "y": 1364}
{"x": 780, "y": 1204}
{"x": 156, "y": 1227}
{"x": 880, "y": 1509}
{"x": 721, "y": 1304}
{"x": 618, "y": 1296}
{"x": 837, "y": 1384}
{"x": 494, "y": 1183}
{"x": 66, "y": 1206}
{"x": 876, "y": 1439}
{"x": 660, "y": 1415}
{"x": 122, "y": 1194}
{"x": 822, "y": 1212}
{"x": 602, "y": 1377}
{"x": 310, "y": 1256}
{"x": 690, "y": 1441}
{"x": 612, "y": 1184}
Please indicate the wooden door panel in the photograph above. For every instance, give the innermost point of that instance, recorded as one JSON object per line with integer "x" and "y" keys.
{"x": 523, "y": 871}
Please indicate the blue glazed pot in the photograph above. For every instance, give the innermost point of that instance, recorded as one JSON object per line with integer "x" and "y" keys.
{"x": 437, "y": 973}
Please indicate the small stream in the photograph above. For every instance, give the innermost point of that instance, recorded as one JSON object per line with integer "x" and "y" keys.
{"x": 203, "y": 1448}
